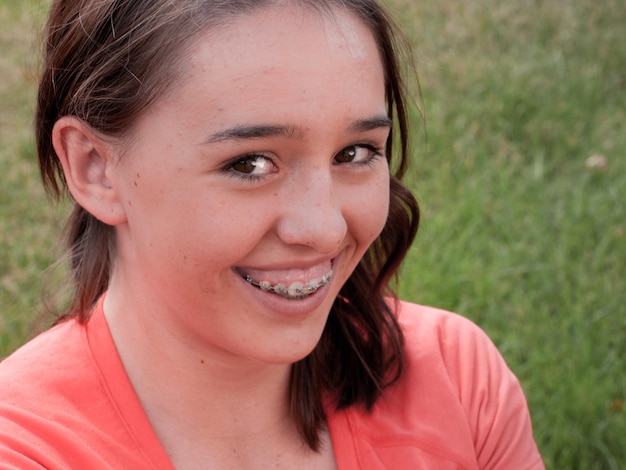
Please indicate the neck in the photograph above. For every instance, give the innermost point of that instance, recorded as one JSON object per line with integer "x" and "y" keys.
{"x": 188, "y": 388}
{"x": 208, "y": 408}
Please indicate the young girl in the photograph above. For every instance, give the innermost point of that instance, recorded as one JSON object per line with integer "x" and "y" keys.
{"x": 235, "y": 229}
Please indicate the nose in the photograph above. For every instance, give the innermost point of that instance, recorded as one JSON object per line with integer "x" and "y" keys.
{"x": 312, "y": 214}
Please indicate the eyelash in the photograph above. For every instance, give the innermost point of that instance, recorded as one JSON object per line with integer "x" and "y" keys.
{"x": 375, "y": 153}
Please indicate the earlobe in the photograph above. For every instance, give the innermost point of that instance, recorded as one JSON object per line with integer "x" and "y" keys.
{"x": 87, "y": 163}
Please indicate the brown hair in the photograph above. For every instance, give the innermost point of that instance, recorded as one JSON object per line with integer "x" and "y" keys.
{"x": 107, "y": 61}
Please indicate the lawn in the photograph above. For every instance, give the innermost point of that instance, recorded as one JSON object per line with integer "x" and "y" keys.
{"x": 520, "y": 169}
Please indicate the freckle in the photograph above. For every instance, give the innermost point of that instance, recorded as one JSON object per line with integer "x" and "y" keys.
{"x": 201, "y": 361}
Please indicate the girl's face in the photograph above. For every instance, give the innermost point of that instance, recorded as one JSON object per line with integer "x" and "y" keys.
{"x": 254, "y": 188}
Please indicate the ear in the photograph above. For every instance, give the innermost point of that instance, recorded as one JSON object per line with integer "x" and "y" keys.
{"x": 88, "y": 162}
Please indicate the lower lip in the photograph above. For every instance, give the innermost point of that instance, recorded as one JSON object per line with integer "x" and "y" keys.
{"x": 282, "y": 307}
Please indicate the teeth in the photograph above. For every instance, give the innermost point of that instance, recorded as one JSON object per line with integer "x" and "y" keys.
{"x": 296, "y": 290}
{"x": 312, "y": 285}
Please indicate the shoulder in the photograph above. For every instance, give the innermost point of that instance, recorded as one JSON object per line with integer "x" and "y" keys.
{"x": 447, "y": 349}
{"x": 456, "y": 367}
{"x": 435, "y": 325}
{"x": 438, "y": 338}
{"x": 457, "y": 402}
{"x": 48, "y": 373}
{"x": 48, "y": 358}
{"x": 41, "y": 384}
{"x": 66, "y": 386}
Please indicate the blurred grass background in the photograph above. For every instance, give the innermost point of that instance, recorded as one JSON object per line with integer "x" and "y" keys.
{"x": 521, "y": 177}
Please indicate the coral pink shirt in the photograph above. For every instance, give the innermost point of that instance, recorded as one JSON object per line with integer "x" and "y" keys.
{"x": 66, "y": 403}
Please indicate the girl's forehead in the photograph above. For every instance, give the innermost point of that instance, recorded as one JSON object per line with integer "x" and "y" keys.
{"x": 293, "y": 66}
{"x": 287, "y": 43}
{"x": 271, "y": 28}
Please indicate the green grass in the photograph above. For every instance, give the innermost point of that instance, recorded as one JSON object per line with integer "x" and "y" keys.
{"x": 518, "y": 233}
{"x": 28, "y": 226}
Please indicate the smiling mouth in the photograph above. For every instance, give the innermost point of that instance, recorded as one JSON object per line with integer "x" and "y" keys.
{"x": 294, "y": 291}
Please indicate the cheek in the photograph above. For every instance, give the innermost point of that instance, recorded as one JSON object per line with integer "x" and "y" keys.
{"x": 220, "y": 232}
{"x": 369, "y": 211}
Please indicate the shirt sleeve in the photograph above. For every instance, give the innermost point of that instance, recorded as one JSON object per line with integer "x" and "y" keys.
{"x": 495, "y": 405}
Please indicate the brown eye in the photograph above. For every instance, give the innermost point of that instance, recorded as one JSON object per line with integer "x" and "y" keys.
{"x": 252, "y": 165}
{"x": 245, "y": 165}
{"x": 347, "y": 155}
{"x": 357, "y": 154}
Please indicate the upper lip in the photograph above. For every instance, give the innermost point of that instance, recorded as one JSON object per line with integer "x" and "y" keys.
{"x": 295, "y": 264}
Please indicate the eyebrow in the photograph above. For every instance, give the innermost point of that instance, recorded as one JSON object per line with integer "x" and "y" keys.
{"x": 250, "y": 132}
{"x": 243, "y": 132}
{"x": 364, "y": 125}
